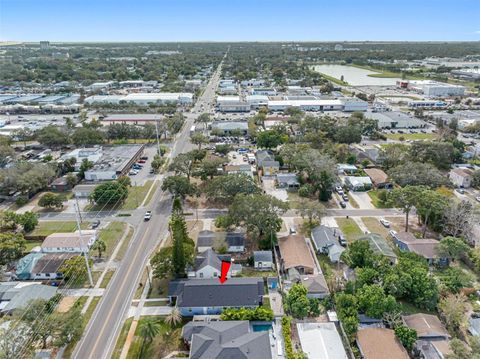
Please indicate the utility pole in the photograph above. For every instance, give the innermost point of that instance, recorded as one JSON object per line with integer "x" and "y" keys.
{"x": 85, "y": 249}
{"x": 158, "y": 141}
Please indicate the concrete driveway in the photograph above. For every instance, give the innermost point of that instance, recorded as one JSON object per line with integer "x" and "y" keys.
{"x": 363, "y": 200}
{"x": 269, "y": 187}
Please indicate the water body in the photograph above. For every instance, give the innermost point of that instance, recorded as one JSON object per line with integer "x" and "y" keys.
{"x": 354, "y": 75}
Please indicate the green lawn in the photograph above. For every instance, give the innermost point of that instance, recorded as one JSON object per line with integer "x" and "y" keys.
{"x": 152, "y": 192}
{"x": 121, "y": 339}
{"x": 159, "y": 288}
{"x": 107, "y": 278}
{"x": 250, "y": 272}
{"x": 375, "y": 201}
{"x": 123, "y": 248}
{"x": 31, "y": 245}
{"x": 136, "y": 195}
{"x": 349, "y": 228}
{"x": 374, "y": 226}
{"x": 352, "y": 201}
{"x": 410, "y": 136}
{"x": 168, "y": 340}
{"x": 111, "y": 235}
{"x": 45, "y": 228}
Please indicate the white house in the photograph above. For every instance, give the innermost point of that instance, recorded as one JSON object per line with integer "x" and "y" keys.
{"x": 461, "y": 177}
{"x": 69, "y": 242}
{"x": 209, "y": 265}
{"x": 262, "y": 260}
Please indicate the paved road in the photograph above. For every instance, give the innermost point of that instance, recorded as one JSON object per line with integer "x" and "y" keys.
{"x": 103, "y": 329}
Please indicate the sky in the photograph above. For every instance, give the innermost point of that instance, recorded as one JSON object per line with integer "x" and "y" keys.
{"x": 239, "y": 20}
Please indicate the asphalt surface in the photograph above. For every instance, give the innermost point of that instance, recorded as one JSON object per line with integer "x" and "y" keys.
{"x": 103, "y": 329}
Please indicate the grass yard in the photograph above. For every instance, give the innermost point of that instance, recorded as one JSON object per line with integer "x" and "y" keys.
{"x": 106, "y": 279}
{"x": 31, "y": 245}
{"x": 123, "y": 248}
{"x": 45, "y": 228}
{"x": 349, "y": 228}
{"x": 411, "y": 136}
{"x": 159, "y": 288}
{"x": 169, "y": 339}
{"x": 352, "y": 201}
{"x": 111, "y": 235}
{"x": 250, "y": 272}
{"x": 121, "y": 339}
{"x": 375, "y": 201}
{"x": 409, "y": 308}
{"x": 152, "y": 192}
{"x": 136, "y": 195}
{"x": 375, "y": 226}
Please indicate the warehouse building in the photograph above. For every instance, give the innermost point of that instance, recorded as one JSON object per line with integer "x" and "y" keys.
{"x": 131, "y": 119}
{"x": 344, "y": 104}
{"x": 395, "y": 119}
{"x": 436, "y": 89}
{"x": 144, "y": 99}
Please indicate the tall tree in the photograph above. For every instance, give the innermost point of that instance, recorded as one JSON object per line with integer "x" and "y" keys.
{"x": 406, "y": 199}
{"x": 430, "y": 204}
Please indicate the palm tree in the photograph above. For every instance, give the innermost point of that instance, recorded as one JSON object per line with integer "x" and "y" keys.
{"x": 149, "y": 329}
{"x": 174, "y": 317}
{"x": 99, "y": 246}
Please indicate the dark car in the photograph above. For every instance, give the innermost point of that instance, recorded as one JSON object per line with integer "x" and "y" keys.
{"x": 95, "y": 224}
{"x": 343, "y": 204}
{"x": 345, "y": 197}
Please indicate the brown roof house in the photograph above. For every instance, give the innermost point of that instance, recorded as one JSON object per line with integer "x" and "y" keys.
{"x": 433, "y": 338}
{"x": 378, "y": 177}
{"x": 295, "y": 256}
{"x": 424, "y": 247}
{"x": 380, "y": 343}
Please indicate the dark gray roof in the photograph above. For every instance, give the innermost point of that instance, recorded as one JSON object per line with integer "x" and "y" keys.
{"x": 264, "y": 155}
{"x": 21, "y": 293}
{"x": 262, "y": 256}
{"x": 226, "y": 340}
{"x": 208, "y": 258}
{"x": 324, "y": 236}
{"x": 235, "y": 292}
{"x": 235, "y": 239}
{"x": 207, "y": 238}
{"x": 270, "y": 164}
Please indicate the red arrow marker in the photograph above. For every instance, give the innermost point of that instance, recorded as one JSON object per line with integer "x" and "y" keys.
{"x": 225, "y": 268}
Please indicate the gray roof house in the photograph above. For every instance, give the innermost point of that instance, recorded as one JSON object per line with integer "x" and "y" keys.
{"x": 209, "y": 296}
{"x": 225, "y": 339}
{"x": 287, "y": 180}
{"x": 326, "y": 240}
{"x": 16, "y": 295}
{"x": 316, "y": 285}
{"x": 263, "y": 260}
{"x": 234, "y": 241}
{"x": 209, "y": 265}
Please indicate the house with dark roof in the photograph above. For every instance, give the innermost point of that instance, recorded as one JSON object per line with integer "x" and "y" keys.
{"x": 266, "y": 162}
{"x": 209, "y": 296}
{"x": 41, "y": 266}
{"x": 424, "y": 247}
{"x": 327, "y": 240}
{"x": 233, "y": 242}
{"x": 380, "y": 246}
{"x": 262, "y": 260}
{"x": 288, "y": 181}
{"x": 209, "y": 265}
{"x": 225, "y": 339}
{"x": 316, "y": 285}
{"x": 17, "y": 295}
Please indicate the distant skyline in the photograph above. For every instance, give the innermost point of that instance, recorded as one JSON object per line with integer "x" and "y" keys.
{"x": 239, "y": 20}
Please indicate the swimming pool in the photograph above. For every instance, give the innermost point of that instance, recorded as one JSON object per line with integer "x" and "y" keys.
{"x": 261, "y": 327}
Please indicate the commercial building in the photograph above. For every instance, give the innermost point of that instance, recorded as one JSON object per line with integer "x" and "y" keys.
{"x": 346, "y": 104}
{"x": 395, "y": 119}
{"x": 230, "y": 127}
{"x": 321, "y": 341}
{"x": 434, "y": 88}
{"x": 131, "y": 119}
{"x": 263, "y": 91}
{"x": 110, "y": 162}
{"x": 143, "y": 99}
{"x": 467, "y": 74}
{"x": 427, "y": 104}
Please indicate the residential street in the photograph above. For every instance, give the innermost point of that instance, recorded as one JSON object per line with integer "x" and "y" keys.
{"x": 103, "y": 329}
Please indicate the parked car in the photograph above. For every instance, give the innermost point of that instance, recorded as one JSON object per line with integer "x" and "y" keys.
{"x": 141, "y": 161}
{"x": 293, "y": 230}
{"x": 338, "y": 189}
{"x": 342, "y": 240}
{"x": 95, "y": 224}
{"x": 144, "y": 158}
{"x": 460, "y": 190}
{"x": 133, "y": 172}
{"x": 385, "y": 223}
{"x": 148, "y": 216}
{"x": 392, "y": 233}
{"x": 343, "y": 204}
{"x": 345, "y": 197}
{"x": 477, "y": 198}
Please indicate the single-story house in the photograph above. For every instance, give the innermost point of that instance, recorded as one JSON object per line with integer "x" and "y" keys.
{"x": 380, "y": 343}
{"x": 427, "y": 326}
{"x": 209, "y": 296}
{"x": 269, "y": 168}
{"x": 209, "y": 265}
{"x": 326, "y": 241}
{"x": 321, "y": 341}
{"x": 378, "y": 178}
{"x": 355, "y": 183}
{"x": 347, "y": 169}
{"x": 41, "y": 266}
{"x": 83, "y": 190}
{"x": 17, "y": 295}
{"x": 433, "y": 349}
{"x": 380, "y": 246}
{"x": 225, "y": 339}
{"x": 425, "y": 247}
{"x": 287, "y": 180}
{"x": 60, "y": 184}
{"x": 234, "y": 242}
{"x": 461, "y": 177}
{"x": 316, "y": 285}
{"x": 235, "y": 169}
{"x": 262, "y": 260}
{"x": 69, "y": 242}
{"x": 295, "y": 256}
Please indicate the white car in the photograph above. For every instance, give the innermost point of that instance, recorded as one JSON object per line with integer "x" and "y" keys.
{"x": 385, "y": 223}
{"x": 392, "y": 233}
{"x": 148, "y": 216}
{"x": 477, "y": 198}
{"x": 133, "y": 172}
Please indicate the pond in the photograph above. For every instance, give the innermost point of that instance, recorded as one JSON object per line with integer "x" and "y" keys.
{"x": 354, "y": 75}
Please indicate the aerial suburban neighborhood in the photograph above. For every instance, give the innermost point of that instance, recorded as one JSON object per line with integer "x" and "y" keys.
{"x": 224, "y": 200}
